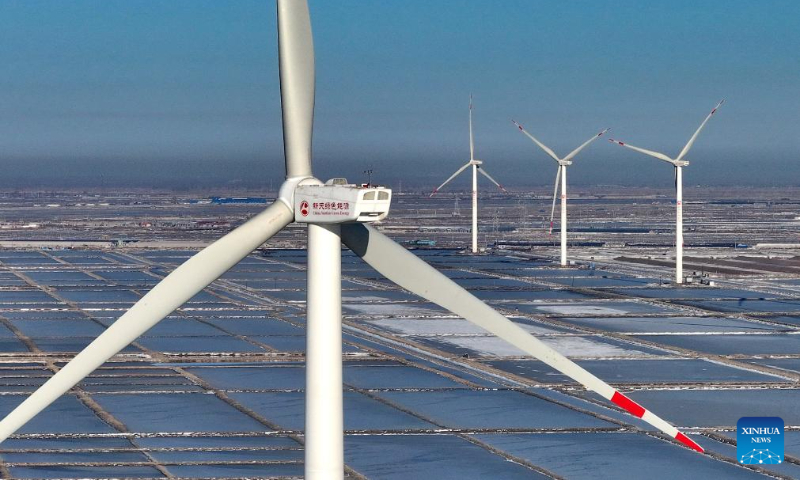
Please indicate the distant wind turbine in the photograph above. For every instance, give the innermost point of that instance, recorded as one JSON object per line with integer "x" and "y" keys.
{"x": 563, "y": 163}
{"x": 476, "y": 167}
{"x": 677, "y": 162}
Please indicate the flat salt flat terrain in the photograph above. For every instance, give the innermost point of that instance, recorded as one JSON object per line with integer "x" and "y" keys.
{"x": 216, "y": 390}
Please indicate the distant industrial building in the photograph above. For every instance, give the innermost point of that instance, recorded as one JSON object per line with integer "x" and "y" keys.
{"x": 229, "y": 200}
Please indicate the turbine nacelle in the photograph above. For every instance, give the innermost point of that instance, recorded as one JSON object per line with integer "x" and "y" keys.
{"x": 339, "y": 202}
{"x": 564, "y": 163}
{"x": 476, "y": 162}
{"x": 681, "y": 163}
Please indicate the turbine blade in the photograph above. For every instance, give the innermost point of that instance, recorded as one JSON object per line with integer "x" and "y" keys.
{"x": 587, "y": 142}
{"x": 411, "y": 273}
{"x": 694, "y": 137}
{"x": 537, "y": 142}
{"x": 480, "y": 169}
{"x": 296, "y": 52}
{"x": 471, "y": 141}
{"x": 172, "y": 292}
{"x": 448, "y": 180}
{"x": 555, "y": 195}
{"x": 657, "y": 155}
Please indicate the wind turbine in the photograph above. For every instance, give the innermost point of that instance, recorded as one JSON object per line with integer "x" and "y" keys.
{"x": 677, "y": 162}
{"x": 304, "y": 199}
{"x": 476, "y": 167}
{"x": 563, "y": 163}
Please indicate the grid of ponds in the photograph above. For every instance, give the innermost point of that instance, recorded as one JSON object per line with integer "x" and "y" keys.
{"x": 216, "y": 390}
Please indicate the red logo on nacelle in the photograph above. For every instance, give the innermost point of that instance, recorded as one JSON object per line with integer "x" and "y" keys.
{"x": 304, "y": 208}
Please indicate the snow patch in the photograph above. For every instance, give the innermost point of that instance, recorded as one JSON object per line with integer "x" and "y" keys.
{"x": 580, "y": 310}
{"x": 391, "y": 309}
{"x": 573, "y": 347}
{"x": 444, "y": 326}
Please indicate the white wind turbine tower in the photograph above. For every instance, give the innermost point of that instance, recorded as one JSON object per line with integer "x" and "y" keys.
{"x": 561, "y": 172}
{"x": 476, "y": 167}
{"x": 304, "y": 199}
{"x": 677, "y": 162}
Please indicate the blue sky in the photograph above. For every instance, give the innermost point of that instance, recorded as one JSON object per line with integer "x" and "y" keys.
{"x": 186, "y": 92}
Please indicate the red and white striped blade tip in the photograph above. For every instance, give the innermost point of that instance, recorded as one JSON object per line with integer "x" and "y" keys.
{"x": 689, "y": 442}
{"x": 639, "y": 411}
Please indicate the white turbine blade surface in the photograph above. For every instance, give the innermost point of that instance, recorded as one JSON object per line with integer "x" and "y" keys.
{"x": 448, "y": 180}
{"x": 587, "y": 142}
{"x": 173, "y": 291}
{"x": 555, "y": 195}
{"x": 657, "y": 155}
{"x": 411, "y": 273}
{"x": 490, "y": 178}
{"x": 694, "y": 137}
{"x": 471, "y": 141}
{"x": 296, "y": 52}
{"x": 537, "y": 142}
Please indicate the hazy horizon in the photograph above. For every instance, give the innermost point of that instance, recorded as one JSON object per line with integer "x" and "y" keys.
{"x": 516, "y": 173}
{"x": 185, "y": 93}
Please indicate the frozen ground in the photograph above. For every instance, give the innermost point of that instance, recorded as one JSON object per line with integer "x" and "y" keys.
{"x": 216, "y": 390}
